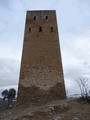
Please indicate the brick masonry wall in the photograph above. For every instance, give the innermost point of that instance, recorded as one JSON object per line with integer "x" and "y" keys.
{"x": 41, "y": 74}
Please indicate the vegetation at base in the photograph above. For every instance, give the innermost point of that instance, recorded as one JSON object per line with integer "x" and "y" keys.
{"x": 9, "y": 95}
{"x": 84, "y": 99}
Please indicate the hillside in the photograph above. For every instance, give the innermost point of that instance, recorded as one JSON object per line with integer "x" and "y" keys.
{"x": 4, "y": 104}
{"x": 56, "y": 110}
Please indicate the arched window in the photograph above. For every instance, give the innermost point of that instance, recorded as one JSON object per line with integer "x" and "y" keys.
{"x": 40, "y": 29}
{"x": 51, "y": 29}
{"x": 29, "y": 29}
{"x": 34, "y": 17}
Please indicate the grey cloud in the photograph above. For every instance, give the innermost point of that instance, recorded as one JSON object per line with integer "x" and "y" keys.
{"x": 83, "y": 2}
{"x": 4, "y": 3}
{"x": 71, "y": 87}
{"x": 9, "y": 72}
{"x": 74, "y": 17}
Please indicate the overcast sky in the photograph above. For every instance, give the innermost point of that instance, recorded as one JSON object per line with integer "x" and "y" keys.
{"x": 74, "y": 33}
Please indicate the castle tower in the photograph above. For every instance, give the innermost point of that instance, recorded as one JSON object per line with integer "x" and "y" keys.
{"x": 41, "y": 74}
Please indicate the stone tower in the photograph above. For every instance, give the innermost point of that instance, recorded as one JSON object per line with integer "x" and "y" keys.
{"x": 41, "y": 74}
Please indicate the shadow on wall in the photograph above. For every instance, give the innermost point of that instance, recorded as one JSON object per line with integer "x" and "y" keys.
{"x": 36, "y": 95}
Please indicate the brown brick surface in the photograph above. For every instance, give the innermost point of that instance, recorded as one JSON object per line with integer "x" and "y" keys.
{"x": 41, "y": 74}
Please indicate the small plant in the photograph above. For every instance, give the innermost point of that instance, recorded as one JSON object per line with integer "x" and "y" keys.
{"x": 9, "y": 95}
{"x": 82, "y": 83}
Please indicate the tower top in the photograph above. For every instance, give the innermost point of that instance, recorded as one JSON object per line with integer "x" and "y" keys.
{"x": 41, "y": 11}
{"x": 41, "y": 15}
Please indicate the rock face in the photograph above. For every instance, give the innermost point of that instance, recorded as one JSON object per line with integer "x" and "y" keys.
{"x": 41, "y": 74}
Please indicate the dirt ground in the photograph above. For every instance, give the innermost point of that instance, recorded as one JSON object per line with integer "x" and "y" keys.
{"x": 56, "y": 110}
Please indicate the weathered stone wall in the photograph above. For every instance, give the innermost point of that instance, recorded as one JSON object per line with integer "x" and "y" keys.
{"x": 41, "y": 74}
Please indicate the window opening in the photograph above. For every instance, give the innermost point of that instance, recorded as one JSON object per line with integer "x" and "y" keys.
{"x": 40, "y": 29}
{"x": 46, "y": 17}
{"x": 29, "y": 29}
{"x": 51, "y": 29}
{"x": 34, "y": 17}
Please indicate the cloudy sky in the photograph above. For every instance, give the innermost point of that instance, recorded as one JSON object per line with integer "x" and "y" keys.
{"x": 74, "y": 33}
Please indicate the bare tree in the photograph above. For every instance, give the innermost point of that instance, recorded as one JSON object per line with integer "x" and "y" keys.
{"x": 83, "y": 85}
